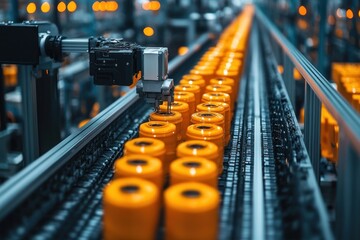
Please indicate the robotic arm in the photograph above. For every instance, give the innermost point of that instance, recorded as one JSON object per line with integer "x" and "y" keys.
{"x": 116, "y": 62}
{"x": 111, "y": 61}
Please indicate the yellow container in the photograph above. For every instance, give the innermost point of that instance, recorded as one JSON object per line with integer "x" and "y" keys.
{"x": 207, "y": 74}
{"x": 199, "y": 148}
{"x": 188, "y": 98}
{"x": 208, "y": 132}
{"x": 231, "y": 74}
{"x": 194, "y": 169}
{"x": 228, "y": 82}
{"x": 141, "y": 166}
{"x": 209, "y": 117}
{"x": 172, "y": 117}
{"x": 146, "y": 146}
{"x": 190, "y": 88}
{"x": 183, "y": 108}
{"x": 130, "y": 204}
{"x": 217, "y": 97}
{"x": 218, "y": 107}
{"x": 191, "y": 212}
{"x": 222, "y": 89}
{"x": 198, "y": 82}
{"x": 165, "y": 132}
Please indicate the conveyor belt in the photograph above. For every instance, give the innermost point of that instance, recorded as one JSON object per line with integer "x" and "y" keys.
{"x": 268, "y": 189}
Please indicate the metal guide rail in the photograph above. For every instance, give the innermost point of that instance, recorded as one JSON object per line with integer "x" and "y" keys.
{"x": 318, "y": 91}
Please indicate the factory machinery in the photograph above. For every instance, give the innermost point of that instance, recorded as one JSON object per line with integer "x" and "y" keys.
{"x": 269, "y": 185}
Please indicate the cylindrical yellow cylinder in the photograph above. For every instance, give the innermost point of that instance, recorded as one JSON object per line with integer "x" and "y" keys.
{"x": 146, "y": 146}
{"x": 228, "y": 82}
{"x": 191, "y": 212}
{"x": 194, "y": 169}
{"x": 209, "y": 117}
{"x": 218, "y": 108}
{"x": 165, "y": 132}
{"x": 171, "y": 117}
{"x": 190, "y": 88}
{"x": 141, "y": 166}
{"x": 221, "y": 89}
{"x": 207, "y": 74}
{"x": 198, "y": 82}
{"x": 130, "y": 204}
{"x": 183, "y": 108}
{"x": 188, "y": 98}
{"x": 199, "y": 148}
{"x": 217, "y": 97}
{"x": 208, "y": 132}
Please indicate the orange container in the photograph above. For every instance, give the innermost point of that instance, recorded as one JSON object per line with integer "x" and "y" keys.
{"x": 209, "y": 117}
{"x": 172, "y": 117}
{"x": 207, "y": 74}
{"x": 218, "y": 107}
{"x": 222, "y": 89}
{"x": 165, "y": 132}
{"x": 191, "y": 212}
{"x": 194, "y": 169}
{"x": 208, "y": 132}
{"x": 217, "y": 97}
{"x": 228, "y": 82}
{"x": 130, "y": 204}
{"x": 231, "y": 74}
{"x": 199, "y": 82}
{"x": 199, "y": 148}
{"x": 183, "y": 108}
{"x": 146, "y": 146}
{"x": 188, "y": 98}
{"x": 190, "y": 88}
{"x": 141, "y": 166}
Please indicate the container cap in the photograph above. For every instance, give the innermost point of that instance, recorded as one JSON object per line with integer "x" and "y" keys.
{"x": 219, "y": 88}
{"x": 197, "y": 148}
{"x": 210, "y": 107}
{"x": 137, "y": 164}
{"x": 222, "y": 81}
{"x": 184, "y": 96}
{"x": 176, "y": 106}
{"x": 193, "y": 167}
{"x": 193, "y": 77}
{"x": 145, "y": 145}
{"x": 192, "y": 197}
{"x": 173, "y": 116}
{"x": 205, "y": 130}
{"x": 216, "y": 97}
{"x": 158, "y": 128}
{"x": 207, "y": 117}
{"x": 131, "y": 193}
{"x": 187, "y": 88}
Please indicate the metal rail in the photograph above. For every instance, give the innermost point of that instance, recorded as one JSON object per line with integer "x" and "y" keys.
{"x": 20, "y": 186}
{"x": 319, "y": 90}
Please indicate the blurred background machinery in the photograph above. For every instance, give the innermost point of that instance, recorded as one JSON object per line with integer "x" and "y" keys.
{"x": 304, "y": 59}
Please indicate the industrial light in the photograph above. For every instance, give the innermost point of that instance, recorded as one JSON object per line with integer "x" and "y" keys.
{"x": 102, "y": 6}
{"x": 71, "y": 7}
{"x": 31, "y": 8}
{"x": 302, "y": 10}
{"x": 96, "y": 6}
{"x": 183, "y": 50}
{"x": 148, "y": 31}
{"x": 349, "y": 14}
{"x": 45, "y": 7}
{"x": 61, "y": 7}
{"x": 151, "y": 5}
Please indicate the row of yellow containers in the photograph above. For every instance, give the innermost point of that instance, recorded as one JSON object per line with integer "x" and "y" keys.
{"x": 347, "y": 79}
{"x": 187, "y": 145}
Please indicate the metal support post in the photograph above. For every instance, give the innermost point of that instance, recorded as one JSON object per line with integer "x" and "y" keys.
{"x": 29, "y": 107}
{"x": 312, "y": 128}
{"x": 348, "y": 194}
